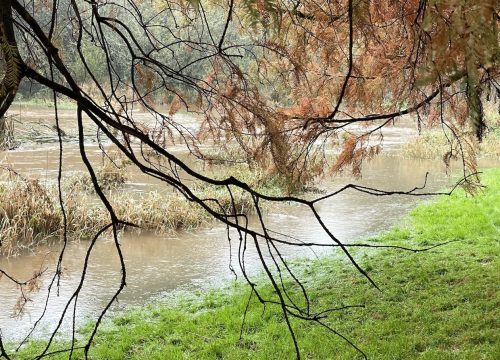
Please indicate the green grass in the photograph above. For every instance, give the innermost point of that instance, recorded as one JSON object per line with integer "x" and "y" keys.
{"x": 441, "y": 304}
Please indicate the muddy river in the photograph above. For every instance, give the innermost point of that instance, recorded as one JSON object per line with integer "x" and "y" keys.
{"x": 159, "y": 265}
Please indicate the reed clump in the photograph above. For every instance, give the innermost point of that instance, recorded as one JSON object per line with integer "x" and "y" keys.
{"x": 159, "y": 213}
{"x": 162, "y": 212}
{"x": 111, "y": 175}
{"x": 30, "y": 213}
{"x": 26, "y": 212}
{"x": 433, "y": 144}
{"x": 7, "y": 140}
{"x": 491, "y": 143}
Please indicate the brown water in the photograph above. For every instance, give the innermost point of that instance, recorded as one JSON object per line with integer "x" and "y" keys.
{"x": 157, "y": 265}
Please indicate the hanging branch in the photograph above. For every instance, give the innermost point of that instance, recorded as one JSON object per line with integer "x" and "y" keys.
{"x": 141, "y": 62}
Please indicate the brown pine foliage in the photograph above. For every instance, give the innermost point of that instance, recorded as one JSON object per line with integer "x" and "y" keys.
{"x": 354, "y": 62}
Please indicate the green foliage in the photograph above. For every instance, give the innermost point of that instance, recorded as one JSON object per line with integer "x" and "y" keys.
{"x": 262, "y": 12}
{"x": 95, "y": 58}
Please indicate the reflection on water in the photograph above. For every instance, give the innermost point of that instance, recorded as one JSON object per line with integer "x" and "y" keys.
{"x": 159, "y": 264}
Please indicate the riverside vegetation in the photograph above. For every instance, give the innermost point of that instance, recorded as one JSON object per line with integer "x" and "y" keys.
{"x": 433, "y": 143}
{"x": 30, "y": 214}
{"x": 441, "y": 304}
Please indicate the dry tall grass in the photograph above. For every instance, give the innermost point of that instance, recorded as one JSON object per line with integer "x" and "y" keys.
{"x": 433, "y": 144}
{"x": 30, "y": 213}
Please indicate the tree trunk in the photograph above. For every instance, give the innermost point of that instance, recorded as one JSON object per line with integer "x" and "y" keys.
{"x": 11, "y": 58}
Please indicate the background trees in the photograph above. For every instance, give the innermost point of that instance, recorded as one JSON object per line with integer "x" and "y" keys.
{"x": 279, "y": 79}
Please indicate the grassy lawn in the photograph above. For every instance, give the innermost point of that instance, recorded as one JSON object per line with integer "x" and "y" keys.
{"x": 440, "y": 304}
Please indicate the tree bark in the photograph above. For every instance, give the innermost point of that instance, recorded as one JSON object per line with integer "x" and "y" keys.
{"x": 12, "y": 60}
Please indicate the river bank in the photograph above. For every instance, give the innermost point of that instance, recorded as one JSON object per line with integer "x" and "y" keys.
{"x": 31, "y": 216}
{"x": 440, "y": 304}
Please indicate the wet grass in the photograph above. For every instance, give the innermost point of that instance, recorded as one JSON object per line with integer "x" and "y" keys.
{"x": 442, "y": 304}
